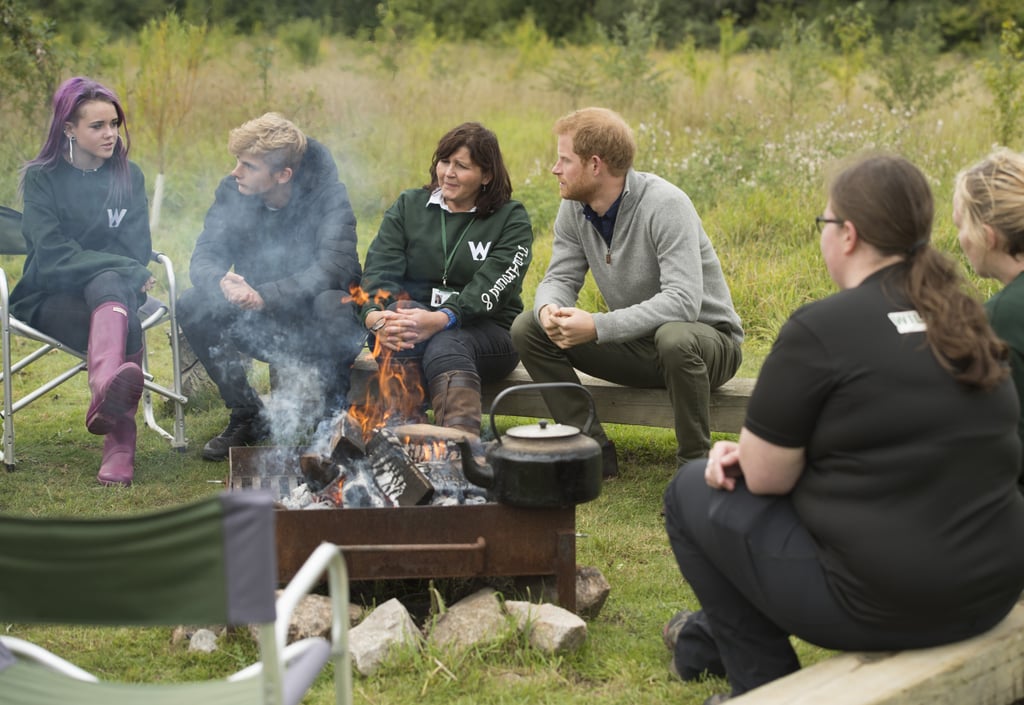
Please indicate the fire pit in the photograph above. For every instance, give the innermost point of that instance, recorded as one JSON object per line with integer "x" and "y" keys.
{"x": 429, "y": 541}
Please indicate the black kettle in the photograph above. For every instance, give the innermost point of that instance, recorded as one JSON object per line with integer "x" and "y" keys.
{"x": 541, "y": 465}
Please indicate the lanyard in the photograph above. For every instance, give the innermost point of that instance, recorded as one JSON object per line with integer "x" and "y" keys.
{"x": 444, "y": 246}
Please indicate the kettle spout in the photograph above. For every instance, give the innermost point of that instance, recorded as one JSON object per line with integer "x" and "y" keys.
{"x": 474, "y": 465}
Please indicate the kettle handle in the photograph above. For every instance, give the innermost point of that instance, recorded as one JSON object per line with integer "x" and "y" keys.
{"x": 545, "y": 385}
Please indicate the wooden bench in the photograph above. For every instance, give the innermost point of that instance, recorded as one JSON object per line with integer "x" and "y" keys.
{"x": 614, "y": 403}
{"x": 988, "y": 668}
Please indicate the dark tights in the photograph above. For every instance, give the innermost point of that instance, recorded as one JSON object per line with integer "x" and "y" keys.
{"x": 67, "y": 316}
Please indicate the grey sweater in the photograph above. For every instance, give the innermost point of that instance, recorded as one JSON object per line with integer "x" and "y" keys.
{"x": 663, "y": 267}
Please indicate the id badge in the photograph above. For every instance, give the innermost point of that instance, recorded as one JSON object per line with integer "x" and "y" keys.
{"x": 439, "y": 296}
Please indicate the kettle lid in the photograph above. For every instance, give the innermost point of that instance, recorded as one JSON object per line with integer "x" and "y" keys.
{"x": 542, "y": 430}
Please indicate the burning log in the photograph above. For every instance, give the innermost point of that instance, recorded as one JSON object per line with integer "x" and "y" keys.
{"x": 347, "y": 439}
{"x": 318, "y": 471}
{"x": 396, "y": 474}
{"x": 437, "y": 454}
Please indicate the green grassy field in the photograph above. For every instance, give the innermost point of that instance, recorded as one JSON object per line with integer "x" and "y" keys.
{"x": 754, "y": 165}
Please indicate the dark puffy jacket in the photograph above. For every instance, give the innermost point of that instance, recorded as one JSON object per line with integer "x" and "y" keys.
{"x": 288, "y": 255}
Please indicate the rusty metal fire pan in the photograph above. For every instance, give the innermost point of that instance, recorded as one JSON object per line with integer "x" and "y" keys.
{"x": 473, "y": 540}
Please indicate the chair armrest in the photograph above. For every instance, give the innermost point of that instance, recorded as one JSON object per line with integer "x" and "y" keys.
{"x": 172, "y": 284}
{"x": 26, "y": 650}
{"x": 327, "y": 557}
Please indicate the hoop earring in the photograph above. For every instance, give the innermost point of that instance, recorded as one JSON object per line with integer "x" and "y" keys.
{"x": 71, "y": 149}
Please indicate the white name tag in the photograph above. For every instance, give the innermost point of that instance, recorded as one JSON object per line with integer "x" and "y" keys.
{"x": 439, "y": 296}
{"x": 908, "y": 322}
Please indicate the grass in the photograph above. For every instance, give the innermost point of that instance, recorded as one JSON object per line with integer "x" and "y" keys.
{"x": 754, "y": 173}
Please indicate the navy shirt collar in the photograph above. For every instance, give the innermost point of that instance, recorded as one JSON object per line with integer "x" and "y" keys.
{"x": 604, "y": 224}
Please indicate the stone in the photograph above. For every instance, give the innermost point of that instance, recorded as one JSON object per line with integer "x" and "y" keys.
{"x": 549, "y": 627}
{"x": 203, "y": 640}
{"x": 477, "y": 619}
{"x": 312, "y": 617}
{"x": 592, "y": 590}
{"x": 386, "y": 627}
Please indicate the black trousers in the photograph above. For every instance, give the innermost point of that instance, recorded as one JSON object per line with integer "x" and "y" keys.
{"x": 483, "y": 347}
{"x": 758, "y": 575}
{"x": 67, "y": 316}
{"x": 317, "y": 343}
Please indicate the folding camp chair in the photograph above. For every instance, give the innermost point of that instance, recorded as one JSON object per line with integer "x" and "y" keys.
{"x": 153, "y": 314}
{"x": 208, "y": 562}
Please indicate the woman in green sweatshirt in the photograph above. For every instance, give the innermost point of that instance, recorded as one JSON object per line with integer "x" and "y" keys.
{"x": 444, "y": 275}
{"x": 86, "y": 227}
{"x": 988, "y": 211}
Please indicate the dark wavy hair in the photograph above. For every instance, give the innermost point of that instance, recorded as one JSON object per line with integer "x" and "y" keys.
{"x": 486, "y": 153}
{"x": 68, "y": 100}
{"x": 890, "y": 203}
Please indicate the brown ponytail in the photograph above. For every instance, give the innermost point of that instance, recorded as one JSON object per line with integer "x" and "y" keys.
{"x": 890, "y": 203}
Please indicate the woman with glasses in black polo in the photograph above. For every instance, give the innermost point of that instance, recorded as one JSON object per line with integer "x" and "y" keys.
{"x": 872, "y": 494}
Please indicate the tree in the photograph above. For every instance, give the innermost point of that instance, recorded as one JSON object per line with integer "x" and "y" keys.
{"x": 30, "y": 61}
{"x": 170, "y": 56}
{"x": 1005, "y": 79}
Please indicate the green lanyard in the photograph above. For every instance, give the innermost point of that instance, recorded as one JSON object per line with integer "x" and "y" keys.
{"x": 448, "y": 257}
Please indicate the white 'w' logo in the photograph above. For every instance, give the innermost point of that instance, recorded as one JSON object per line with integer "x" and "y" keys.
{"x": 114, "y": 218}
{"x": 478, "y": 250}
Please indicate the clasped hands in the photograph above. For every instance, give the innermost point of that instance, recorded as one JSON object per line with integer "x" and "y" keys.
{"x": 403, "y": 328}
{"x": 238, "y": 292}
{"x": 567, "y": 326}
{"x": 723, "y": 467}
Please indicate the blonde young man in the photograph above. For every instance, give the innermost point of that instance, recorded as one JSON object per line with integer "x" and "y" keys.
{"x": 270, "y": 271}
{"x": 670, "y": 322}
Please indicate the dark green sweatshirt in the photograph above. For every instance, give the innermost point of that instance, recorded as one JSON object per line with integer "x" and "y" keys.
{"x": 488, "y": 258}
{"x": 73, "y": 233}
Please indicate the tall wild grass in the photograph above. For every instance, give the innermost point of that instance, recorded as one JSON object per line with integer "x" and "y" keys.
{"x": 753, "y": 160}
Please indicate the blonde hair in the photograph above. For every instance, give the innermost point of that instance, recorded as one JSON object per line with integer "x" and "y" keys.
{"x": 600, "y": 132}
{"x": 272, "y": 138}
{"x": 992, "y": 193}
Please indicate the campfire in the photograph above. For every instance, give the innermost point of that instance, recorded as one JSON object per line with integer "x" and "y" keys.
{"x": 381, "y": 454}
{"x": 403, "y": 465}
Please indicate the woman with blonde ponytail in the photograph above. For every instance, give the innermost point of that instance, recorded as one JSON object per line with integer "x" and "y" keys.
{"x": 988, "y": 210}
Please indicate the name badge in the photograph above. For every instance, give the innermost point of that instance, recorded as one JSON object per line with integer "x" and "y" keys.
{"x": 439, "y": 296}
{"x": 908, "y": 322}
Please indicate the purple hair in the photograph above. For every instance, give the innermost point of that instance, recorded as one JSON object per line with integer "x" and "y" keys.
{"x": 67, "y": 104}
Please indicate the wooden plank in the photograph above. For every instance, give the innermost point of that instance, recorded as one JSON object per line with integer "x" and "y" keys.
{"x": 615, "y": 403}
{"x": 988, "y": 668}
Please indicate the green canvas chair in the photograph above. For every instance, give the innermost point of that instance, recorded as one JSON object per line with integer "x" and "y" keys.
{"x": 209, "y": 562}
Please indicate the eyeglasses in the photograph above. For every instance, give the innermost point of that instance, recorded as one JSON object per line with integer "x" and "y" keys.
{"x": 820, "y": 221}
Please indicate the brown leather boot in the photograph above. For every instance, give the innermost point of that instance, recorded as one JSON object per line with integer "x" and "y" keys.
{"x": 455, "y": 397}
{"x": 116, "y": 383}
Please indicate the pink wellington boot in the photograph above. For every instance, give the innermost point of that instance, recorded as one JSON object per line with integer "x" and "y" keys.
{"x": 116, "y": 383}
{"x": 118, "y": 464}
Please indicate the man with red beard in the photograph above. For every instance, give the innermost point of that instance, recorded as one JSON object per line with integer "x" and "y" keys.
{"x": 670, "y": 322}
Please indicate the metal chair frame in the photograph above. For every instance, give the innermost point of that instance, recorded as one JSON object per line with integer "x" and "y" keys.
{"x": 154, "y": 313}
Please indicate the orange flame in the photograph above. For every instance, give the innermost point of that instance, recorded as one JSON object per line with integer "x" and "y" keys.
{"x": 397, "y": 393}
{"x": 359, "y": 296}
{"x": 333, "y": 492}
{"x": 428, "y": 452}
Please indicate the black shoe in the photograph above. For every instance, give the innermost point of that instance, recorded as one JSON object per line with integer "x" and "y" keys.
{"x": 670, "y": 632}
{"x": 609, "y": 462}
{"x": 244, "y": 428}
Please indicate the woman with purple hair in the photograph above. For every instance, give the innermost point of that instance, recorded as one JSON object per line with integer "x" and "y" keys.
{"x": 86, "y": 227}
